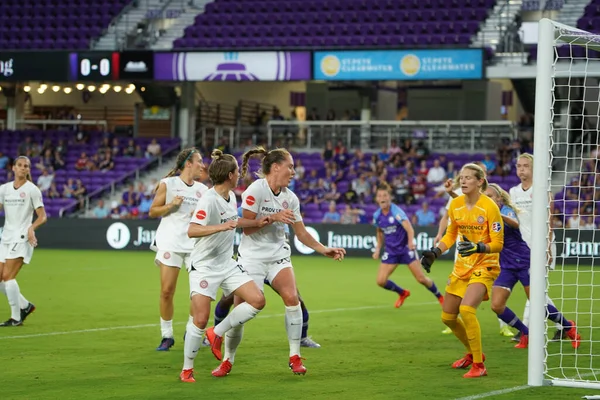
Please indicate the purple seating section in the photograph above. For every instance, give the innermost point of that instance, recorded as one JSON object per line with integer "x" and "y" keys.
{"x": 54, "y": 24}
{"x": 92, "y": 180}
{"x": 337, "y": 23}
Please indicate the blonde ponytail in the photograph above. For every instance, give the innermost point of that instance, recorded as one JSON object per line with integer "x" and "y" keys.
{"x": 506, "y": 200}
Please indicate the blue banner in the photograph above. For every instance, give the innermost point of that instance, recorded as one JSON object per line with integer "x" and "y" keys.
{"x": 398, "y": 64}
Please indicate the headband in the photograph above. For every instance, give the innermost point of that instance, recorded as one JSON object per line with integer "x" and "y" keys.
{"x": 187, "y": 158}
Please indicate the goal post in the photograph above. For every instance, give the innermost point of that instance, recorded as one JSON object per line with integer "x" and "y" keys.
{"x": 567, "y": 98}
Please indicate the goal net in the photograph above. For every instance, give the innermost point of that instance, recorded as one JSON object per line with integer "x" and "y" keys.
{"x": 566, "y": 206}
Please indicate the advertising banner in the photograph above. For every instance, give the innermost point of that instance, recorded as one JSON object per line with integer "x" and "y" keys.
{"x": 233, "y": 66}
{"x": 398, "y": 64}
{"x": 34, "y": 65}
{"x": 573, "y": 247}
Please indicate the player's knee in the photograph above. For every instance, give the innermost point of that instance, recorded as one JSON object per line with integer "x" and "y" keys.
{"x": 498, "y": 307}
{"x": 449, "y": 319}
{"x": 423, "y": 280}
{"x": 257, "y": 301}
{"x": 290, "y": 298}
{"x": 467, "y": 312}
{"x": 167, "y": 293}
{"x": 381, "y": 282}
{"x": 201, "y": 320}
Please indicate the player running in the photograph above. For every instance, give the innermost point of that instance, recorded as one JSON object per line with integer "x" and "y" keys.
{"x": 514, "y": 267}
{"x": 396, "y": 234}
{"x": 21, "y": 199}
{"x": 265, "y": 252}
{"x": 174, "y": 202}
{"x": 522, "y": 197}
{"x": 476, "y": 222}
{"x": 212, "y": 265}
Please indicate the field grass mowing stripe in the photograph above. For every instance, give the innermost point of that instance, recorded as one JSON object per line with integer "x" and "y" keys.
{"x": 115, "y": 328}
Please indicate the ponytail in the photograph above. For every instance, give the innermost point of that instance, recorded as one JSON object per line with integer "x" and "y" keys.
{"x": 247, "y": 155}
{"x": 506, "y": 200}
{"x": 183, "y": 157}
{"x": 384, "y": 186}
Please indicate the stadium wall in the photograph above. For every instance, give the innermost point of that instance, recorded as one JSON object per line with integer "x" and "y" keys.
{"x": 575, "y": 247}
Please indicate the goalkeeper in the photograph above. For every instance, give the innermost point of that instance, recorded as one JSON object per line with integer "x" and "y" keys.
{"x": 475, "y": 220}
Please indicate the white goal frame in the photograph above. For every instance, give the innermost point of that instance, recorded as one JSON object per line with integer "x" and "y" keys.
{"x": 549, "y": 32}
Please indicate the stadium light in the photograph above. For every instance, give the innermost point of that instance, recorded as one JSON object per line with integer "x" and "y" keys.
{"x": 117, "y": 88}
{"x": 43, "y": 86}
{"x": 91, "y": 88}
{"x": 27, "y": 88}
{"x": 80, "y": 86}
{"x": 40, "y": 90}
{"x": 67, "y": 90}
{"x": 55, "y": 88}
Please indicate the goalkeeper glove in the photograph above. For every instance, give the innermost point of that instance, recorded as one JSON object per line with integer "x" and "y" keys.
{"x": 466, "y": 247}
{"x": 428, "y": 258}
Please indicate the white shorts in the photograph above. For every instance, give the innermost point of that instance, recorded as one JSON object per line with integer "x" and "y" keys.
{"x": 11, "y": 251}
{"x": 171, "y": 258}
{"x": 552, "y": 265}
{"x": 207, "y": 281}
{"x": 261, "y": 270}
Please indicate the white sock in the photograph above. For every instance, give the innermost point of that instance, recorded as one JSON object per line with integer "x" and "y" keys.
{"x": 191, "y": 319}
{"x": 13, "y": 293}
{"x": 166, "y": 328}
{"x": 193, "y": 339}
{"x": 502, "y": 323}
{"x": 557, "y": 324}
{"x": 233, "y": 338}
{"x": 526, "y": 314}
{"x": 293, "y": 327}
{"x": 23, "y": 302}
{"x": 240, "y": 315}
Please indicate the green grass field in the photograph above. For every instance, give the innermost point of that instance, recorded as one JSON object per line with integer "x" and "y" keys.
{"x": 96, "y": 327}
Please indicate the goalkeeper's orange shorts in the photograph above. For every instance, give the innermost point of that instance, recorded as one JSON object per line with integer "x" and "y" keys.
{"x": 484, "y": 275}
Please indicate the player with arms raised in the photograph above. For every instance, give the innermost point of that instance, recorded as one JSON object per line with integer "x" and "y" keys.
{"x": 476, "y": 221}
{"x": 21, "y": 199}
{"x": 265, "y": 252}
{"x": 514, "y": 267}
{"x": 212, "y": 265}
{"x": 174, "y": 202}
{"x": 396, "y": 234}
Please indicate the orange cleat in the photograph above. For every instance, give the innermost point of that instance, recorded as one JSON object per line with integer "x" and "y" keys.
{"x": 296, "y": 365}
{"x": 223, "y": 369}
{"x": 477, "y": 371}
{"x": 523, "y": 342}
{"x": 574, "y": 335}
{"x": 441, "y": 300}
{"x": 401, "y": 298}
{"x": 465, "y": 362}
{"x": 216, "y": 343}
{"x": 187, "y": 375}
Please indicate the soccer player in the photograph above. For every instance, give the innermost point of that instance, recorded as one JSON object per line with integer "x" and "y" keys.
{"x": 476, "y": 221}
{"x": 174, "y": 202}
{"x": 212, "y": 265}
{"x": 522, "y": 197}
{"x": 265, "y": 252}
{"x": 453, "y": 189}
{"x": 21, "y": 199}
{"x": 514, "y": 267}
{"x": 396, "y": 234}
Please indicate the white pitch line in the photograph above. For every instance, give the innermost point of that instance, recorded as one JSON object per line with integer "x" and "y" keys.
{"x": 115, "y": 328}
{"x": 495, "y": 393}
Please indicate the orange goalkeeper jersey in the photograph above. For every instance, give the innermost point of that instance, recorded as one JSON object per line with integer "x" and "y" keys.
{"x": 482, "y": 223}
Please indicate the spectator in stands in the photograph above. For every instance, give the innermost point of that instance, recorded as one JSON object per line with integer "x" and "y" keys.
{"x": 119, "y": 211}
{"x": 383, "y": 155}
{"x": 313, "y": 115}
{"x": 45, "y": 180}
{"x": 318, "y": 193}
{"x": 104, "y": 146}
{"x": 423, "y": 169}
{"x": 304, "y": 194}
{"x": 394, "y": 148}
{"x": 436, "y": 174}
{"x": 379, "y": 168}
{"x": 4, "y": 160}
{"x": 129, "y": 150}
{"x": 47, "y": 161}
{"x": 61, "y": 148}
{"x": 224, "y": 145}
{"x": 401, "y": 189}
{"x": 115, "y": 149}
{"x": 330, "y": 115}
{"x": 53, "y": 192}
{"x": 587, "y": 223}
{"x": 300, "y": 170}
{"x": 574, "y": 221}
{"x": 332, "y": 216}
{"x": 100, "y": 211}
{"x": 59, "y": 162}
{"x": 424, "y": 216}
{"x": 153, "y": 149}
{"x": 312, "y": 179}
{"x": 82, "y": 137}
{"x": 408, "y": 148}
{"x": 328, "y": 151}
{"x": 348, "y": 217}
{"x": 138, "y": 151}
{"x": 421, "y": 152}
{"x": 106, "y": 163}
{"x": 144, "y": 207}
{"x": 342, "y": 158}
{"x": 276, "y": 115}
{"x": 80, "y": 192}
{"x": 26, "y": 147}
{"x": 47, "y": 146}
{"x": 451, "y": 171}
{"x": 489, "y": 163}
{"x": 361, "y": 186}
{"x": 130, "y": 197}
{"x": 82, "y": 162}
{"x": 419, "y": 188}
{"x": 69, "y": 188}
{"x": 332, "y": 194}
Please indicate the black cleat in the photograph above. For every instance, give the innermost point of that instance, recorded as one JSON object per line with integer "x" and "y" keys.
{"x": 559, "y": 335}
{"x": 165, "y": 344}
{"x": 11, "y": 322}
{"x": 517, "y": 337}
{"x": 26, "y": 311}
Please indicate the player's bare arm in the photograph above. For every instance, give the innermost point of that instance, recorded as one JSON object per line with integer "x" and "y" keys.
{"x": 377, "y": 250}
{"x": 306, "y": 238}
{"x": 512, "y": 222}
{"x": 159, "y": 208}
{"x": 41, "y": 219}
{"x": 411, "y": 234}
{"x": 253, "y": 223}
{"x": 197, "y": 230}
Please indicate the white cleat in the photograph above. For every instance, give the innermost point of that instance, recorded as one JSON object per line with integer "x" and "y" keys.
{"x": 308, "y": 342}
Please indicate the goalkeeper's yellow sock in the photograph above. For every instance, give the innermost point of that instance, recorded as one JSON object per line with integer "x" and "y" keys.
{"x": 458, "y": 328}
{"x": 473, "y": 331}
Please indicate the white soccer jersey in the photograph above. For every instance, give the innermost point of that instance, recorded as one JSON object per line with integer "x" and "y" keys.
{"x": 523, "y": 200}
{"x": 269, "y": 243}
{"x": 216, "y": 250}
{"x": 19, "y": 207}
{"x": 171, "y": 234}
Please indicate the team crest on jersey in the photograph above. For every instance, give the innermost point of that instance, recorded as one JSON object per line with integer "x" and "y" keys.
{"x": 480, "y": 219}
{"x": 22, "y": 194}
{"x": 201, "y": 214}
{"x": 198, "y": 194}
{"x": 203, "y": 284}
{"x": 391, "y": 220}
{"x": 167, "y": 255}
{"x": 285, "y": 204}
{"x": 496, "y": 227}
{"x": 250, "y": 200}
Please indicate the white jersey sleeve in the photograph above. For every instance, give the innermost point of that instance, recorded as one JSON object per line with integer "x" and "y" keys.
{"x": 295, "y": 206}
{"x": 523, "y": 201}
{"x": 2, "y": 190}
{"x": 252, "y": 198}
{"x": 36, "y": 198}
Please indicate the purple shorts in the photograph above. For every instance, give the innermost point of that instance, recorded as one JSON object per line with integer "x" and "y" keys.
{"x": 402, "y": 258}
{"x": 508, "y": 278}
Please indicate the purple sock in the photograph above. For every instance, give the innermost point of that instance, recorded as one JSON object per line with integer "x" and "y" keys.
{"x": 304, "y": 320}
{"x": 511, "y": 319}
{"x": 433, "y": 289}
{"x": 220, "y": 313}
{"x": 389, "y": 285}
{"x": 555, "y": 316}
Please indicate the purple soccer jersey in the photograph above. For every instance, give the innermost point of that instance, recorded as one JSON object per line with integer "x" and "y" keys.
{"x": 514, "y": 257}
{"x": 395, "y": 236}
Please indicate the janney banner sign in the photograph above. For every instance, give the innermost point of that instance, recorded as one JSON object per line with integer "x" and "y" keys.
{"x": 233, "y": 66}
{"x": 574, "y": 247}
